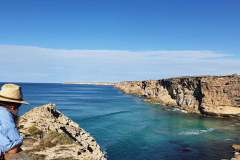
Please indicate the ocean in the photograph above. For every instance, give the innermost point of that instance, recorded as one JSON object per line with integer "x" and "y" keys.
{"x": 128, "y": 128}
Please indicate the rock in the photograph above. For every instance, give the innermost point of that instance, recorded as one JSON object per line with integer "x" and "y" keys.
{"x": 209, "y": 95}
{"x": 49, "y": 134}
{"x": 185, "y": 149}
{"x": 236, "y": 147}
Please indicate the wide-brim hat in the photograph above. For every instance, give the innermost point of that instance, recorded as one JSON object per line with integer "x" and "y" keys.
{"x": 12, "y": 93}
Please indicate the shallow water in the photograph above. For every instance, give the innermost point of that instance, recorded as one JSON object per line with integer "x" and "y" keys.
{"x": 129, "y": 128}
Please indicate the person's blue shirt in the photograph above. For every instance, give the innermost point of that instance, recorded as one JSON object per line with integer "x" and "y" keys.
{"x": 9, "y": 134}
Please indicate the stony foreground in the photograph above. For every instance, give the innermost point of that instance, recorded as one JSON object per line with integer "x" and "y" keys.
{"x": 210, "y": 95}
{"x": 50, "y": 135}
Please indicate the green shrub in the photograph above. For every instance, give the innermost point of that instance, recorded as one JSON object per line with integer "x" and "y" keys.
{"x": 54, "y": 138}
{"x": 34, "y": 131}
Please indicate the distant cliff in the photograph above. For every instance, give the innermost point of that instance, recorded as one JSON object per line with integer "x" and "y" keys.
{"x": 93, "y": 83}
{"x": 49, "y": 134}
{"x": 210, "y": 95}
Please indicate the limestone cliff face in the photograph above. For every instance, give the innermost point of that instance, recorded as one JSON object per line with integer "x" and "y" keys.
{"x": 49, "y": 134}
{"x": 212, "y": 95}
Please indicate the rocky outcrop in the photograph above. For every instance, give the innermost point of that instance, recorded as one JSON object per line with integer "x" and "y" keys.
{"x": 211, "y": 95}
{"x": 49, "y": 134}
{"x": 236, "y": 148}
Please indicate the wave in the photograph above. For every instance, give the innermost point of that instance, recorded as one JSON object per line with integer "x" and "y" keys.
{"x": 196, "y": 131}
{"x": 228, "y": 139}
{"x": 179, "y": 110}
{"x": 174, "y": 109}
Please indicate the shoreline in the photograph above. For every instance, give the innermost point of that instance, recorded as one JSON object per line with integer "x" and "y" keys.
{"x": 207, "y": 95}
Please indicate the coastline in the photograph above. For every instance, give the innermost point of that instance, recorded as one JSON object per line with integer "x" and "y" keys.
{"x": 217, "y": 96}
{"x": 106, "y": 102}
{"x": 206, "y": 95}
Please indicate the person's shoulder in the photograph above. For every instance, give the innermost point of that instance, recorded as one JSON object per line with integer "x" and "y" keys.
{"x": 4, "y": 113}
{"x": 6, "y": 118}
{"x": 4, "y": 110}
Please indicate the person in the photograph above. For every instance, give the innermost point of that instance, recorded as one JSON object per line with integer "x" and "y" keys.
{"x": 11, "y": 99}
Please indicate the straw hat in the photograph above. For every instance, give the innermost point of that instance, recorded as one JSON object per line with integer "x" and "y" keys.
{"x": 12, "y": 93}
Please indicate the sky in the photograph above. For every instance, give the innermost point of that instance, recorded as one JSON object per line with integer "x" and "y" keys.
{"x": 116, "y": 40}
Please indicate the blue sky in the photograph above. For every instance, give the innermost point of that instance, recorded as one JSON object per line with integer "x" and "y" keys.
{"x": 113, "y": 40}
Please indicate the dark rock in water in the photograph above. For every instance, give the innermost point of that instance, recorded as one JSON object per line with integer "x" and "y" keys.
{"x": 186, "y": 149}
{"x": 49, "y": 134}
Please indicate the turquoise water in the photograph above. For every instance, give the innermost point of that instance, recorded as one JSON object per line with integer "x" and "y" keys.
{"x": 129, "y": 129}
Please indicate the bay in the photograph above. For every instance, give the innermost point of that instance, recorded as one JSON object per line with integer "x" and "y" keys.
{"x": 130, "y": 129}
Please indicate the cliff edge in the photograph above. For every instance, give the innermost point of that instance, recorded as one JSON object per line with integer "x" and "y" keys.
{"x": 49, "y": 134}
{"x": 210, "y": 95}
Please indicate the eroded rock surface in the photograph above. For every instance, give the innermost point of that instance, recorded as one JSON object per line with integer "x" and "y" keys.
{"x": 49, "y": 134}
{"x": 236, "y": 148}
{"x": 211, "y": 95}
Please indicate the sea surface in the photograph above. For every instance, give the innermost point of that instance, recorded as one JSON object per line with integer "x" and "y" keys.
{"x": 130, "y": 129}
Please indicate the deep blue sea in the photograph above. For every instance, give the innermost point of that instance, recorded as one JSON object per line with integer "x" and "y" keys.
{"x": 130, "y": 129}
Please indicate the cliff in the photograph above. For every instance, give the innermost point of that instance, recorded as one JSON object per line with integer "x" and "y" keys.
{"x": 210, "y": 95}
{"x": 49, "y": 134}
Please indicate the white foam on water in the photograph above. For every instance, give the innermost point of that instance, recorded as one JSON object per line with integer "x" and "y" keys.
{"x": 196, "y": 131}
{"x": 179, "y": 110}
{"x": 228, "y": 139}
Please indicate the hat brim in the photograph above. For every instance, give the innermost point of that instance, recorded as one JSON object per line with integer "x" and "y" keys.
{"x": 11, "y": 100}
